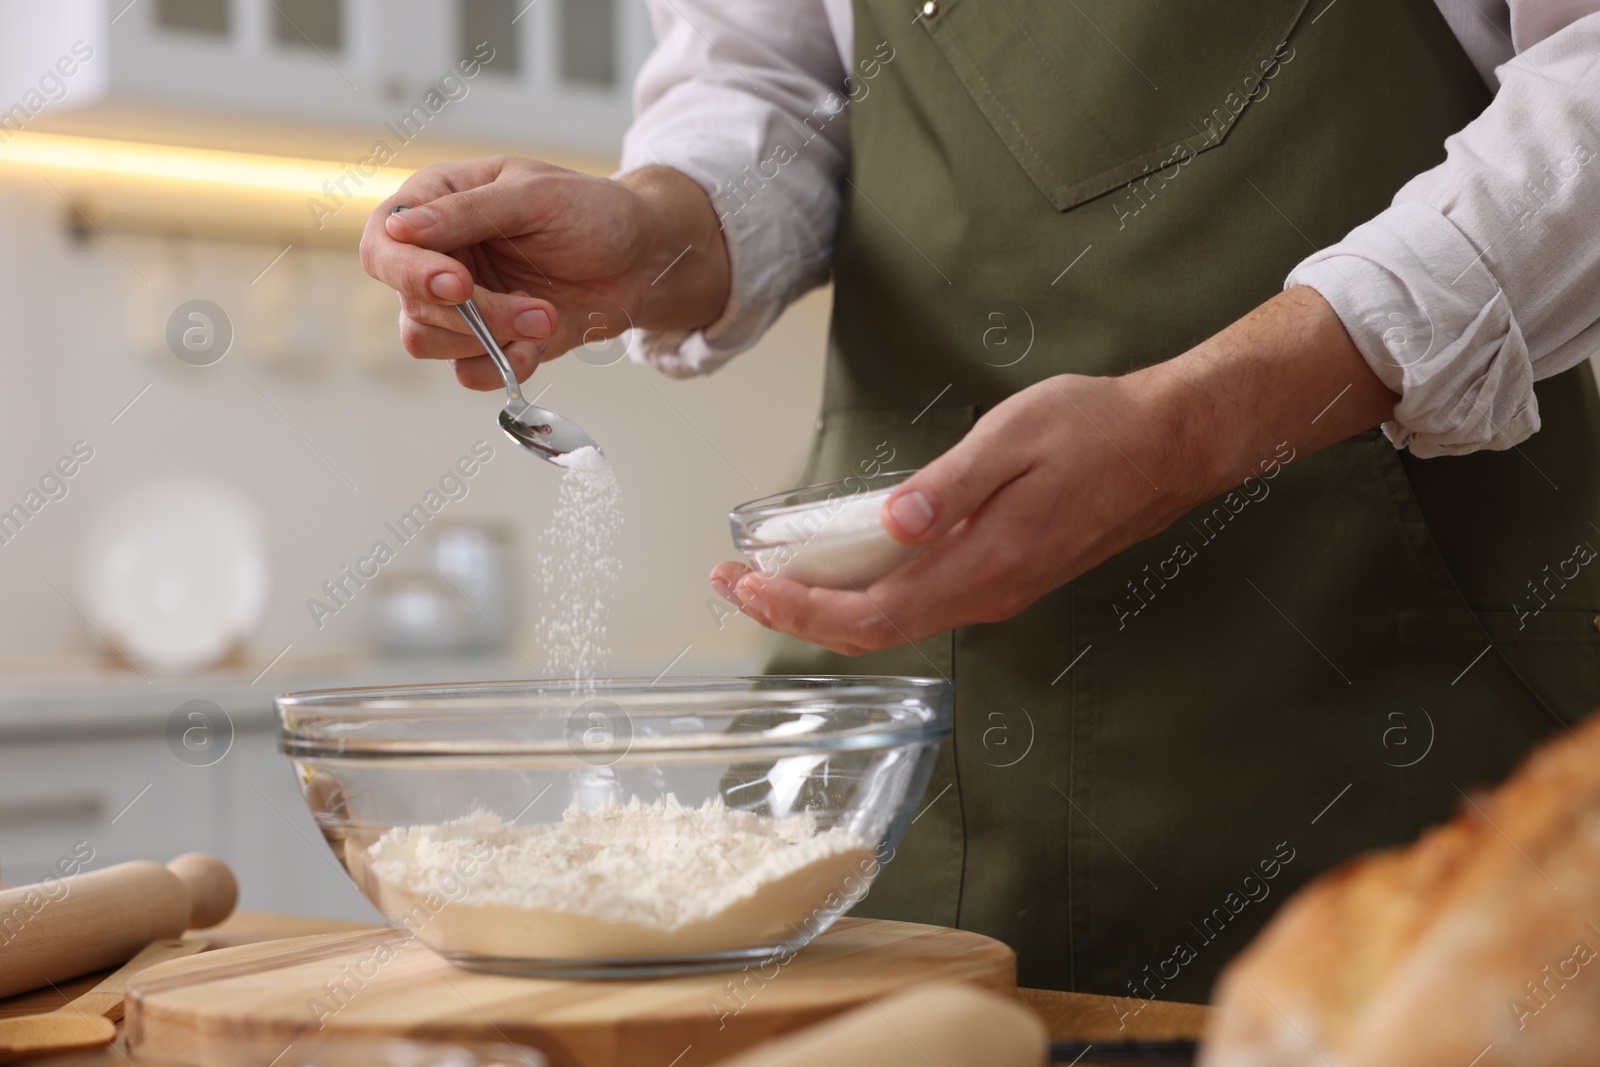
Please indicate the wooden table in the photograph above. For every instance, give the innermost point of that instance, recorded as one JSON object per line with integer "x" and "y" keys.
{"x": 1069, "y": 1016}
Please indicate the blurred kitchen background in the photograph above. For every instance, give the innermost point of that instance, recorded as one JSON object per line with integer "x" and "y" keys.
{"x": 205, "y": 413}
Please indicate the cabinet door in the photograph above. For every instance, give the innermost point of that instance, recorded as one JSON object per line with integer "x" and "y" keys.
{"x": 132, "y": 798}
{"x": 555, "y": 75}
{"x": 127, "y": 798}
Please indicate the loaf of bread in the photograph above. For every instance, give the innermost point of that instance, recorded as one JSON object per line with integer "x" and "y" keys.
{"x": 1477, "y": 946}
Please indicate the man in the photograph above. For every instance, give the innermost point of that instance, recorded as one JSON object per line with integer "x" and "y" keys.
{"x": 1210, "y": 631}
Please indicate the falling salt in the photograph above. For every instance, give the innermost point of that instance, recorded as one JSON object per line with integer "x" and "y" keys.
{"x": 579, "y": 567}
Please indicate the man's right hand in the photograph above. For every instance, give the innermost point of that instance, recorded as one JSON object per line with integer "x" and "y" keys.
{"x": 554, "y": 259}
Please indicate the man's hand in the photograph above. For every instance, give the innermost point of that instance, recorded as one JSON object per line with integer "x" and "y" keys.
{"x": 554, "y": 259}
{"x": 1073, "y": 470}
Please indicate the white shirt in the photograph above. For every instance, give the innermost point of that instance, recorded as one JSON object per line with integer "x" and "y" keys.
{"x": 1481, "y": 277}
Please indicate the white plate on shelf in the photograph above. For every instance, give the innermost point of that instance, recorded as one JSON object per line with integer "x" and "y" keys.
{"x": 175, "y": 574}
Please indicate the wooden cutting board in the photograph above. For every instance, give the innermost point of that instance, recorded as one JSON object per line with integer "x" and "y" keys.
{"x": 244, "y": 1006}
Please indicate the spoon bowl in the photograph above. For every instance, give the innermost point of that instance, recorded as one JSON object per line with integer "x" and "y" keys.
{"x": 27, "y": 1036}
{"x": 544, "y": 433}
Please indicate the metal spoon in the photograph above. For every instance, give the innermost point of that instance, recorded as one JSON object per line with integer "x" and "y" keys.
{"x": 544, "y": 433}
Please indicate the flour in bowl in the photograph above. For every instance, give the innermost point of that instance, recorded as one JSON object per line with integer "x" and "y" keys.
{"x": 619, "y": 881}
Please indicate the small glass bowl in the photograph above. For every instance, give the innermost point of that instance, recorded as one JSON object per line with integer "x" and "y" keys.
{"x": 827, "y": 535}
{"x": 618, "y": 829}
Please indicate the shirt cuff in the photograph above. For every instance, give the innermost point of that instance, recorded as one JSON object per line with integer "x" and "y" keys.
{"x": 1434, "y": 324}
{"x": 761, "y": 278}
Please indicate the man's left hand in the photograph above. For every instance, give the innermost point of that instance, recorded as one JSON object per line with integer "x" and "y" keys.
{"x": 1073, "y": 469}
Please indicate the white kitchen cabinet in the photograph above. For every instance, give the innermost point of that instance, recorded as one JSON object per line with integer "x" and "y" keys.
{"x": 131, "y": 798}
{"x": 86, "y": 757}
{"x": 560, "y": 76}
{"x": 127, "y": 797}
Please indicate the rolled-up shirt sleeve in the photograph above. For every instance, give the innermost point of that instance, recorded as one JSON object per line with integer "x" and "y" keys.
{"x": 749, "y": 100}
{"x": 1484, "y": 274}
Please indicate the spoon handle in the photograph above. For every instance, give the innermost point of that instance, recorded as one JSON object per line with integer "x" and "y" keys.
{"x": 480, "y": 330}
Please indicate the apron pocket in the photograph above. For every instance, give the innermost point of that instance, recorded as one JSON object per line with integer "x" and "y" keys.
{"x": 1555, "y": 653}
{"x": 1178, "y": 76}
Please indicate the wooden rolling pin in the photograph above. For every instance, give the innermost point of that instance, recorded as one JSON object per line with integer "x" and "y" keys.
{"x": 950, "y": 1025}
{"x": 61, "y": 929}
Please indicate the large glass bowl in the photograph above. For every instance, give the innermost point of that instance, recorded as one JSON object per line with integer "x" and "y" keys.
{"x": 622, "y": 828}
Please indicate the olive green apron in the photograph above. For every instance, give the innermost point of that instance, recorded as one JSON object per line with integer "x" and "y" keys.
{"x": 1149, "y": 760}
